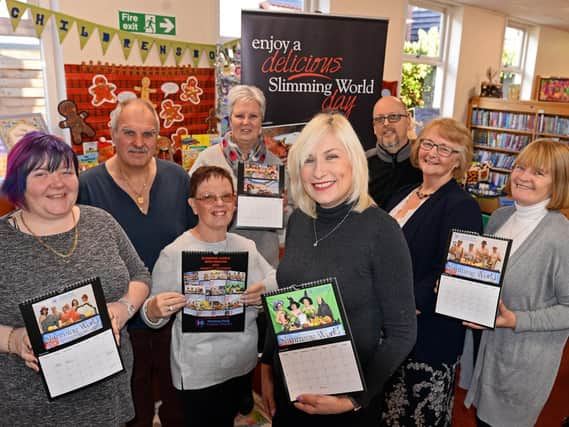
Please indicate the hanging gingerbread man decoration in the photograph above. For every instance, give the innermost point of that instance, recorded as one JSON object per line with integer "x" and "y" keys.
{"x": 145, "y": 89}
{"x": 170, "y": 112}
{"x": 75, "y": 121}
{"x": 191, "y": 91}
{"x": 102, "y": 91}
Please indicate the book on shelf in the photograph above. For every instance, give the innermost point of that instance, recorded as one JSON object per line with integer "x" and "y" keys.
{"x": 554, "y": 125}
{"x": 500, "y": 119}
{"x": 502, "y": 128}
{"x": 498, "y": 179}
{"x": 504, "y": 141}
{"x": 497, "y": 160}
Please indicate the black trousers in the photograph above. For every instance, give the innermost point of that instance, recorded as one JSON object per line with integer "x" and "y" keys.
{"x": 216, "y": 405}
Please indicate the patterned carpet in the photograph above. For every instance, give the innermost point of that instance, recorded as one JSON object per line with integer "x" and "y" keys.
{"x": 257, "y": 418}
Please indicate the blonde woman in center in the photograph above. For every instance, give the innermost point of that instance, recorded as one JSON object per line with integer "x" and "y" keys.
{"x": 338, "y": 231}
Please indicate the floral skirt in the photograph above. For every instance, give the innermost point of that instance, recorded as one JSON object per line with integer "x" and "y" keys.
{"x": 419, "y": 394}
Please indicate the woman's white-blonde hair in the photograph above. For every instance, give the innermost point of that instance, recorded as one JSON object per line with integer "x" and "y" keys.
{"x": 315, "y": 130}
{"x": 247, "y": 93}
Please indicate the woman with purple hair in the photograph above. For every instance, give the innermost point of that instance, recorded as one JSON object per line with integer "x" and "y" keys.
{"x": 48, "y": 243}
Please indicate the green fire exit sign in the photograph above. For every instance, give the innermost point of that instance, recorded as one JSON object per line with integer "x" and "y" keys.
{"x": 148, "y": 23}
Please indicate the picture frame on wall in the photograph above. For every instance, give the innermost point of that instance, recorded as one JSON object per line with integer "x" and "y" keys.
{"x": 13, "y": 127}
{"x": 551, "y": 89}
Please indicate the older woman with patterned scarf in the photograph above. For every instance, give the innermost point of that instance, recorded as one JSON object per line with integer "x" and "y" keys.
{"x": 243, "y": 143}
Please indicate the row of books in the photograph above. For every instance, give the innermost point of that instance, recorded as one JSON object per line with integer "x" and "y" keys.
{"x": 498, "y": 160}
{"x": 554, "y": 124}
{"x": 505, "y": 141}
{"x": 503, "y": 119}
{"x": 498, "y": 179}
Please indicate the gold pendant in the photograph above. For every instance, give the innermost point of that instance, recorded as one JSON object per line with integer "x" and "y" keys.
{"x": 140, "y": 200}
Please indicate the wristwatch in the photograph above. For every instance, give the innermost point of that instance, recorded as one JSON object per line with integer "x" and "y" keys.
{"x": 129, "y": 307}
{"x": 357, "y": 405}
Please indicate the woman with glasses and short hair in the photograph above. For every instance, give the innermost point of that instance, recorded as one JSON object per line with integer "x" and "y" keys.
{"x": 210, "y": 369}
{"x": 421, "y": 392}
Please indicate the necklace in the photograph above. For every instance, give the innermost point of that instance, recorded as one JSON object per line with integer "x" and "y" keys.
{"x": 139, "y": 194}
{"x": 63, "y": 256}
{"x": 316, "y": 239}
{"x": 422, "y": 195}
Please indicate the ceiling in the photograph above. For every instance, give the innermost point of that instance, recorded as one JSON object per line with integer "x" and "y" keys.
{"x": 551, "y": 13}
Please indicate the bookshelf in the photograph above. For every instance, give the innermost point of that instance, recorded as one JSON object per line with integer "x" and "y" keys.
{"x": 501, "y": 128}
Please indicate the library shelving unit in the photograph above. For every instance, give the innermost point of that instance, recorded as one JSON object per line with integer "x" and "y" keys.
{"x": 501, "y": 128}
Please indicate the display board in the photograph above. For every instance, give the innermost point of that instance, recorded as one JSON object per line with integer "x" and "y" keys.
{"x": 306, "y": 63}
{"x": 182, "y": 96}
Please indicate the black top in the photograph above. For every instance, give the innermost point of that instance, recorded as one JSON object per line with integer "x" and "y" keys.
{"x": 387, "y": 177}
{"x": 439, "y": 338}
{"x": 368, "y": 256}
{"x": 169, "y": 213}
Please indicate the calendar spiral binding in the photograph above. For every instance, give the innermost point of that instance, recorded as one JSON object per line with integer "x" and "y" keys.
{"x": 473, "y": 233}
{"x": 301, "y": 286}
{"x": 216, "y": 253}
{"x": 89, "y": 281}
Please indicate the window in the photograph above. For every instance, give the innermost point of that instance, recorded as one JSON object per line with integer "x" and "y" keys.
{"x": 21, "y": 68}
{"x": 423, "y": 65}
{"x": 23, "y": 87}
{"x": 230, "y": 13}
{"x": 513, "y": 55}
{"x": 21, "y": 76}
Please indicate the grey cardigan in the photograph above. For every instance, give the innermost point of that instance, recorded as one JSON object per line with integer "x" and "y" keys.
{"x": 516, "y": 368}
{"x": 199, "y": 360}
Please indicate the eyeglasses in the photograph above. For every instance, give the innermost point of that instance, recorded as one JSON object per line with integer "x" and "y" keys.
{"x": 391, "y": 118}
{"x": 210, "y": 199}
{"x": 131, "y": 134}
{"x": 443, "y": 150}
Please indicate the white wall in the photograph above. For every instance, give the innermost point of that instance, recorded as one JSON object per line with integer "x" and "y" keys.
{"x": 396, "y": 12}
{"x": 476, "y": 46}
{"x": 553, "y": 53}
{"x": 196, "y": 21}
{"x": 480, "y": 48}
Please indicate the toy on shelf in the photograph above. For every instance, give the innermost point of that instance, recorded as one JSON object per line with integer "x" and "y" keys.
{"x": 477, "y": 181}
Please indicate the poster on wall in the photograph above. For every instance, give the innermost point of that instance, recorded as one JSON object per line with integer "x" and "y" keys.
{"x": 183, "y": 96}
{"x": 306, "y": 63}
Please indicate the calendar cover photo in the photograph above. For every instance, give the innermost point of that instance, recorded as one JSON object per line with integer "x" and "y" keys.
{"x": 314, "y": 343}
{"x": 213, "y": 284}
{"x": 471, "y": 285}
{"x": 70, "y": 330}
{"x": 260, "y": 195}
{"x": 305, "y": 315}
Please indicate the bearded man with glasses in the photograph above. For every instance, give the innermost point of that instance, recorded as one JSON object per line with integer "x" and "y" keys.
{"x": 149, "y": 199}
{"x": 388, "y": 162}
